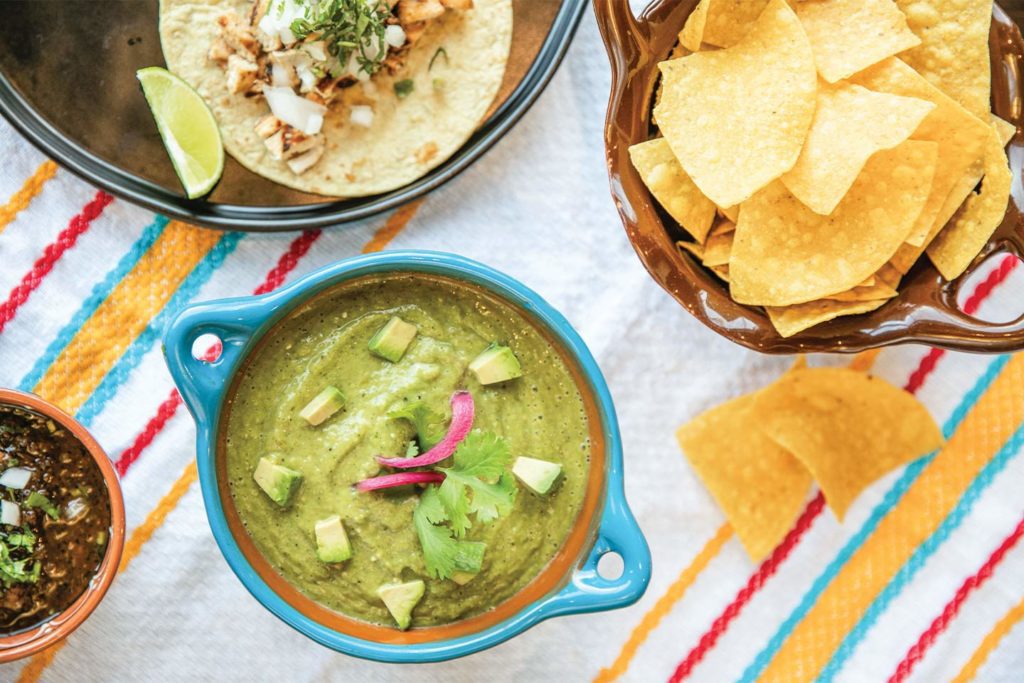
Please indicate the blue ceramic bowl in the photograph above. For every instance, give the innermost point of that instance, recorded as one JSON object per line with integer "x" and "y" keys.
{"x": 240, "y": 323}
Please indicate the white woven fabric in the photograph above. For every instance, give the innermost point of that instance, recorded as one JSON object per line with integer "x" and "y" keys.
{"x": 537, "y": 208}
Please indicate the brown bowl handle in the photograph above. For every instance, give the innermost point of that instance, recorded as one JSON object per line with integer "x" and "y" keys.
{"x": 623, "y": 38}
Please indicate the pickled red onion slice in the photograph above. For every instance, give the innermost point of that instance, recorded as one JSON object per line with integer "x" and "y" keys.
{"x": 389, "y": 481}
{"x": 462, "y": 422}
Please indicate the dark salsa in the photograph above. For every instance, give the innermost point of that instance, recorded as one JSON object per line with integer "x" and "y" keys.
{"x": 54, "y": 521}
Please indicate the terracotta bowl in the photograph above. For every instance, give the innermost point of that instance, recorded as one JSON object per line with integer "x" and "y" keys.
{"x": 925, "y": 311}
{"x": 25, "y": 643}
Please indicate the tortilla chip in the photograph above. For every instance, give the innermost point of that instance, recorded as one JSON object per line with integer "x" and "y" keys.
{"x": 693, "y": 32}
{"x": 846, "y": 427}
{"x": 721, "y": 271}
{"x": 954, "y": 49}
{"x": 759, "y": 486}
{"x": 730, "y": 212}
{"x": 790, "y": 320}
{"x": 786, "y": 254}
{"x": 1006, "y": 130}
{"x": 851, "y": 123}
{"x": 961, "y": 138}
{"x": 718, "y": 248}
{"x": 724, "y": 226}
{"x": 875, "y": 292}
{"x": 889, "y": 275}
{"x": 673, "y": 189}
{"x": 848, "y": 36}
{"x": 729, "y": 21}
{"x": 692, "y": 247}
{"x": 737, "y": 118}
{"x": 966, "y": 235}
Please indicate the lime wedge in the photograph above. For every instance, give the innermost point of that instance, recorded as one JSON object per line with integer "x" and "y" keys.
{"x": 188, "y": 129}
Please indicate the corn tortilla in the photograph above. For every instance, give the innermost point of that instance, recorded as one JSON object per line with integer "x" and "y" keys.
{"x": 673, "y": 189}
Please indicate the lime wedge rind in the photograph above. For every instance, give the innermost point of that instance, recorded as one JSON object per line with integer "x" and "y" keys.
{"x": 188, "y": 129}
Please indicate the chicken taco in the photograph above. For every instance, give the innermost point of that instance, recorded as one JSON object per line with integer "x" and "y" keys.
{"x": 341, "y": 97}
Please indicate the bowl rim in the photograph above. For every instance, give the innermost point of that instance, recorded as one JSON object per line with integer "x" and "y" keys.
{"x": 240, "y": 323}
{"x": 107, "y": 175}
{"x": 926, "y": 312}
{"x": 60, "y": 626}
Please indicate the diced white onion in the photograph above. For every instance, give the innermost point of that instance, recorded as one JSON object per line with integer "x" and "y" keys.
{"x": 75, "y": 507}
{"x": 394, "y": 35}
{"x": 362, "y": 115}
{"x": 307, "y": 79}
{"x": 278, "y": 18}
{"x": 15, "y": 478}
{"x": 296, "y": 111}
{"x": 10, "y": 513}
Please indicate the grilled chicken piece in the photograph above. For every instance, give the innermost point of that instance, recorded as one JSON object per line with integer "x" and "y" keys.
{"x": 303, "y": 162}
{"x": 239, "y": 36}
{"x": 415, "y": 11}
{"x": 283, "y": 68}
{"x": 295, "y": 148}
{"x": 241, "y": 74}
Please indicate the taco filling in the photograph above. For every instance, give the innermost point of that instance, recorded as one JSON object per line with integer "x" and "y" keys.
{"x": 299, "y": 55}
{"x": 341, "y": 97}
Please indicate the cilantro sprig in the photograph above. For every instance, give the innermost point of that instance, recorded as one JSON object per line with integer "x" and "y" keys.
{"x": 429, "y": 424}
{"x": 477, "y": 484}
{"x": 16, "y": 564}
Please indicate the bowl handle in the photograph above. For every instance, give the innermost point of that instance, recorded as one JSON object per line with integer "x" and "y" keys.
{"x": 623, "y": 37}
{"x": 203, "y": 382}
{"x": 588, "y": 591}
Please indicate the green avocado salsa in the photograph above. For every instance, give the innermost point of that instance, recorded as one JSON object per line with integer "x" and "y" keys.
{"x": 342, "y": 384}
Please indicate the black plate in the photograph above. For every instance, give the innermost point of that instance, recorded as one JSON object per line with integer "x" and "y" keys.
{"x": 67, "y": 82}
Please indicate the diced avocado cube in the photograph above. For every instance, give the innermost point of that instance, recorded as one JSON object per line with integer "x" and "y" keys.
{"x": 400, "y": 599}
{"x": 468, "y": 561}
{"x": 332, "y": 543}
{"x": 327, "y": 403}
{"x": 538, "y": 475}
{"x": 393, "y": 339}
{"x": 496, "y": 364}
{"x": 277, "y": 481}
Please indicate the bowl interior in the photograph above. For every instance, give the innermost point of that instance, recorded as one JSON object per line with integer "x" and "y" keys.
{"x": 556, "y": 574}
{"x": 98, "y": 118}
{"x": 926, "y": 310}
{"x": 28, "y": 641}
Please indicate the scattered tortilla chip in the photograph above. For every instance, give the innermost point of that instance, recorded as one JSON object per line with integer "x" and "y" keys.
{"x": 851, "y": 123}
{"x": 786, "y": 254}
{"x": 718, "y": 248}
{"x": 846, "y": 427}
{"x": 737, "y": 118}
{"x": 954, "y": 49}
{"x": 760, "y": 487}
{"x": 966, "y": 235}
{"x": 961, "y": 138}
{"x": 693, "y": 32}
{"x": 848, "y": 36}
{"x": 729, "y": 21}
{"x": 789, "y": 320}
{"x": 673, "y": 189}
{"x": 1006, "y": 130}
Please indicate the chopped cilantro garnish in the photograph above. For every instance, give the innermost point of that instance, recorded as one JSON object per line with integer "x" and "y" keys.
{"x": 429, "y": 424}
{"x": 404, "y": 88}
{"x": 440, "y": 549}
{"x": 38, "y": 500}
{"x": 15, "y": 555}
{"x": 412, "y": 450}
{"x": 347, "y": 26}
